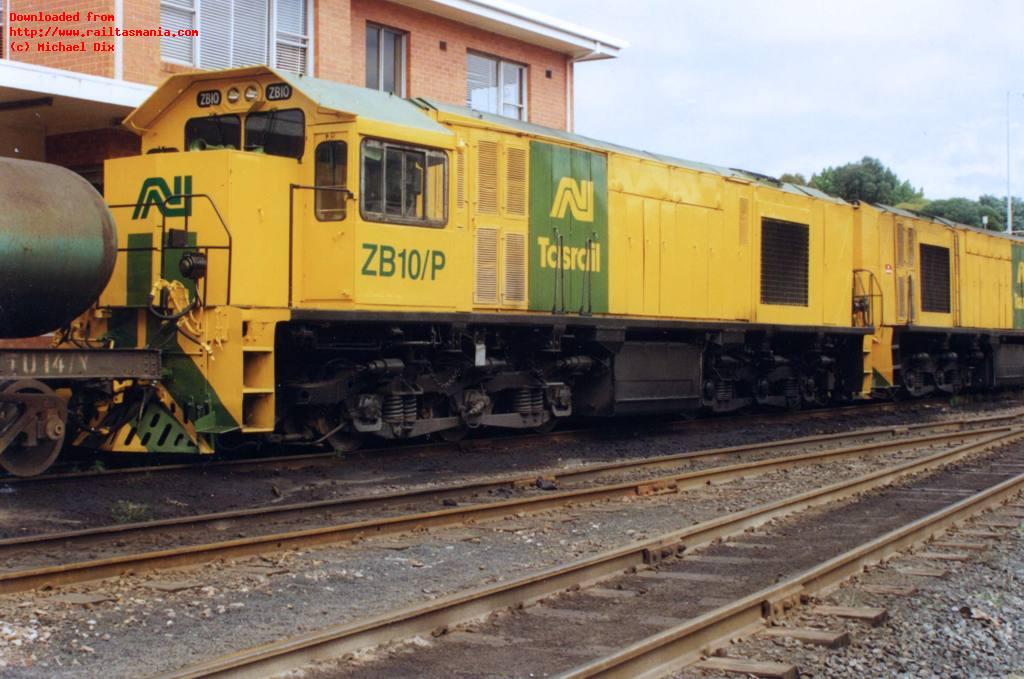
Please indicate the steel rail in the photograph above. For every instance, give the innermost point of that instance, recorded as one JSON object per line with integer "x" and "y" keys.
{"x": 69, "y": 573}
{"x": 672, "y": 649}
{"x": 336, "y": 641}
{"x": 579, "y": 474}
{"x": 304, "y": 459}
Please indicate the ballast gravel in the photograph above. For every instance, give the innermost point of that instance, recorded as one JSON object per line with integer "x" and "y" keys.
{"x": 167, "y": 620}
{"x": 969, "y": 623}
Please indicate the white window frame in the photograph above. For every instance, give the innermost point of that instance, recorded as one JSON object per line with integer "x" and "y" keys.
{"x": 273, "y": 37}
{"x": 191, "y": 6}
{"x": 404, "y": 67}
{"x": 524, "y": 70}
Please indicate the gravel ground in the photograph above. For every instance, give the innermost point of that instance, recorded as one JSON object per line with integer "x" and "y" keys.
{"x": 967, "y": 624}
{"x": 223, "y": 607}
{"x": 58, "y": 506}
{"x": 68, "y": 551}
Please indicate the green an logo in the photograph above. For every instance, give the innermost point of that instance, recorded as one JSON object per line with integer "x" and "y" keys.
{"x": 155, "y": 192}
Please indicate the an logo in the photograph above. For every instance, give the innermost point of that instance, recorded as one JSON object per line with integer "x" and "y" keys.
{"x": 576, "y": 197}
{"x": 155, "y": 192}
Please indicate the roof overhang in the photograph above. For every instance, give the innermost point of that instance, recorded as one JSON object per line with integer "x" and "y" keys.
{"x": 60, "y": 101}
{"x": 505, "y": 18}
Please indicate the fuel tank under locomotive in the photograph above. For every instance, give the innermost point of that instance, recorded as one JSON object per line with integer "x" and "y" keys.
{"x": 58, "y": 245}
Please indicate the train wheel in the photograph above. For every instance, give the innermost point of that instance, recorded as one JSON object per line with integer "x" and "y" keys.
{"x": 31, "y": 452}
{"x": 340, "y": 438}
{"x": 547, "y": 426}
{"x": 453, "y": 435}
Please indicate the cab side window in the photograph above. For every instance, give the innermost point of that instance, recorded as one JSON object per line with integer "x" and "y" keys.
{"x": 276, "y": 133}
{"x": 213, "y": 132}
{"x": 331, "y": 173}
{"x": 404, "y": 184}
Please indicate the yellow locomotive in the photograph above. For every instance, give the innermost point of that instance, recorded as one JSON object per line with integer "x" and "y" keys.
{"x": 318, "y": 263}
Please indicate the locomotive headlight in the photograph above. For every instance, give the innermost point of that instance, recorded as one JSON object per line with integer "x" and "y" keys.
{"x": 251, "y": 92}
{"x": 233, "y": 95}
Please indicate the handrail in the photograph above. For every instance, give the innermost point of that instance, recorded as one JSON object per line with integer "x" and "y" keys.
{"x": 161, "y": 204}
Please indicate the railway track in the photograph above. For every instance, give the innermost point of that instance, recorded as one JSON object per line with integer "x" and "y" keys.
{"x": 650, "y": 608}
{"x": 300, "y": 460}
{"x": 204, "y": 534}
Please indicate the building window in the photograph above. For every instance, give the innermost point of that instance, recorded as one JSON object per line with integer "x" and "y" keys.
{"x": 331, "y": 178}
{"x": 404, "y": 184}
{"x": 385, "y": 59}
{"x": 238, "y": 33}
{"x": 495, "y": 86}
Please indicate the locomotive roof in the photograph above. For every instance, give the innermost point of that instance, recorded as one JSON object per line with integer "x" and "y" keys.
{"x": 356, "y": 101}
{"x": 388, "y": 108}
{"x": 572, "y": 138}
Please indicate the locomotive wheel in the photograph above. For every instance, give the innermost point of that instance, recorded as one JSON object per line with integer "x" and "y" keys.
{"x": 340, "y": 440}
{"x": 24, "y": 460}
{"x": 346, "y": 442}
{"x": 547, "y": 427}
{"x": 453, "y": 435}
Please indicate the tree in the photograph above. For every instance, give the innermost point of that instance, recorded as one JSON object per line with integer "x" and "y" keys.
{"x": 966, "y": 211}
{"x": 999, "y": 206}
{"x": 867, "y": 180}
{"x": 794, "y": 178}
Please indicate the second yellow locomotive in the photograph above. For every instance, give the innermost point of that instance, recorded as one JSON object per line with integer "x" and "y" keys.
{"x": 318, "y": 263}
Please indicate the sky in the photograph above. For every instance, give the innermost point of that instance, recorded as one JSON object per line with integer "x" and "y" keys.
{"x": 795, "y": 86}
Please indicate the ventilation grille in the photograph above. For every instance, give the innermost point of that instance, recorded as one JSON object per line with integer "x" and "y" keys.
{"x": 515, "y": 182}
{"x": 901, "y": 247}
{"x": 935, "y": 279}
{"x": 906, "y": 244}
{"x": 784, "y": 249}
{"x": 487, "y": 177}
{"x": 460, "y": 179}
{"x": 901, "y": 297}
{"x": 515, "y": 268}
{"x": 486, "y": 291}
{"x": 744, "y": 221}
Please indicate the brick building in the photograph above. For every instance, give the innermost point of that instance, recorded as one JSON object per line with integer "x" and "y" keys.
{"x": 64, "y": 104}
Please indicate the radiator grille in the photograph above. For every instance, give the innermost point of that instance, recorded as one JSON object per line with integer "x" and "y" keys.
{"x": 784, "y": 250}
{"x": 486, "y": 291}
{"x": 487, "y": 177}
{"x": 515, "y": 268}
{"x": 935, "y": 279}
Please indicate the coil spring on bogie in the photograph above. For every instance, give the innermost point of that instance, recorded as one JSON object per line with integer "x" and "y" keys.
{"x": 527, "y": 401}
{"x": 400, "y": 408}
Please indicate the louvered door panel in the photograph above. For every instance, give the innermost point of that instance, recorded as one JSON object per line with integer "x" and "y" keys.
{"x": 486, "y": 266}
{"x": 515, "y": 181}
{"x": 515, "y": 268}
{"x": 487, "y": 177}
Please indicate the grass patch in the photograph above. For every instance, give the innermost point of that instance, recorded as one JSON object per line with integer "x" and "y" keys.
{"x": 126, "y": 511}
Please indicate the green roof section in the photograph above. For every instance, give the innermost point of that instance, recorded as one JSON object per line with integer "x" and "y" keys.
{"x": 363, "y": 102}
{"x": 356, "y": 101}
